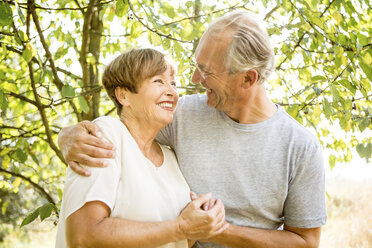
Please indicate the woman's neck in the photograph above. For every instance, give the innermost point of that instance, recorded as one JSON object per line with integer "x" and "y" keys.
{"x": 144, "y": 133}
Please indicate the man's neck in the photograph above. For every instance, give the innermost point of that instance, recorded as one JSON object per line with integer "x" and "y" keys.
{"x": 253, "y": 108}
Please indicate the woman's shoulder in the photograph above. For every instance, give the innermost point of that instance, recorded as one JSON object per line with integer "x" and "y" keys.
{"x": 111, "y": 127}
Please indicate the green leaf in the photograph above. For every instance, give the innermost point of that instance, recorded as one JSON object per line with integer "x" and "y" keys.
{"x": 293, "y": 110}
{"x": 317, "y": 90}
{"x": 22, "y": 35}
{"x": 364, "y": 124}
{"x": 6, "y": 15}
{"x": 154, "y": 38}
{"x": 317, "y": 110}
{"x": 68, "y": 91}
{"x": 46, "y": 210}
{"x": 364, "y": 151}
{"x": 20, "y": 14}
{"x": 334, "y": 92}
{"x": 136, "y": 29}
{"x": 332, "y": 161}
{"x": 60, "y": 193}
{"x": 34, "y": 158}
{"x": 27, "y": 54}
{"x": 366, "y": 69}
{"x": 327, "y": 108}
{"x": 189, "y": 4}
{"x": 83, "y": 104}
{"x": 20, "y": 156}
{"x": 367, "y": 59}
{"x": 122, "y": 7}
{"x": 311, "y": 96}
{"x": 347, "y": 85}
{"x": 318, "y": 78}
{"x": 4, "y": 207}
{"x": 3, "y": 101}
{"x": 169, "y": 10}
{"x": 30, "y": 217}
{"x": 338, "y": 17}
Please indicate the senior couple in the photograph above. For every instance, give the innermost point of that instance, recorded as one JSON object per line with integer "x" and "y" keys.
{"x": 264, "y": 169}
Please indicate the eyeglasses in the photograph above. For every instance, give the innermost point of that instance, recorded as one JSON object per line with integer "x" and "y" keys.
{"x": 204, "y": 74}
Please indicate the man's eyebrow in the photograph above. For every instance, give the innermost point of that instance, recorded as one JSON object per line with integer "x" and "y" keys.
{"x": 204, "y": 67}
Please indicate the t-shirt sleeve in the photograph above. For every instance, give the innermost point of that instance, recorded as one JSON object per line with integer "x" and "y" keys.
{"x": 165, "y": 136}
{"x": 103, "y": 182}
{"x": 305, "y": 203}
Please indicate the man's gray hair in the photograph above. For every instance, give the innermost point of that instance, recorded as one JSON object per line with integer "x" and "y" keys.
{"x": 250, "y": 47}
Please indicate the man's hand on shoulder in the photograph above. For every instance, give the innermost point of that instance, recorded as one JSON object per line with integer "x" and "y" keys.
{"x": 83, "y": 143}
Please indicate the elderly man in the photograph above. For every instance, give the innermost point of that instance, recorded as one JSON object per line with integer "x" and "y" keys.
{"x": 234, "y": 142}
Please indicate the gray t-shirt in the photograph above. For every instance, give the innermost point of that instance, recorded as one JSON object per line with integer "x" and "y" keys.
{"x": 266, "y": 174}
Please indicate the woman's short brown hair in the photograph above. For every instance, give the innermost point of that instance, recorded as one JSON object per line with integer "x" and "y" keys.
{"x": 130, "y": 69}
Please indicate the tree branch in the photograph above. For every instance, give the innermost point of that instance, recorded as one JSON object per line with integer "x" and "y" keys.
{"x": 85, "y": 42}
{"x": 57, "y": 81}
{"x": 198, "y": 16}
{"x": 36, "y": 61}
{"x": 6, "y": 33}
{"x": 35, "y": 185}
{"x": 154, "y": 30}
{"x": 323, "y": 90}
{"x": 23, "y": 98}
{"x": 271, "y": 12}
{"x": 303, "y": 35}
{"x": 110, "y": 111}
{"x": 21, "y": 5}
{"x": 43, "y": 116}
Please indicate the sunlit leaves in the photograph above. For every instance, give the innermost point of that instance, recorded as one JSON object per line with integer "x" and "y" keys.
{"x": 3, "y": 101}
{"x": 30, "y": 217}
{"x": 366, "y": 69}
{"x": 68, "y": 91}
{"x": 6, "y": 16}
{"x": 136, "y": 29}
{"x": 347, "y": 85}
{"x": 27, "y": 54}
{"x": 44, "y": 212}
{"x": 365, "y": 151}
{"x": 122, "y": 7}
{"x": 154, "y": 38}
{"x": 364, "y": 123}
{"x": 20, "y": 155}
{"x": 20, "y": 13}
{"x": 83, "y": 104}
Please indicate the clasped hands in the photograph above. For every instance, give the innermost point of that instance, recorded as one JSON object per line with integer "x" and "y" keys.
{"x": 202, "y": 218}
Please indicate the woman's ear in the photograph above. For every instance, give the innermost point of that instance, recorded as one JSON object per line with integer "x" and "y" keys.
{"x": 250, "y": 78}
{"x": 121, "y": 95}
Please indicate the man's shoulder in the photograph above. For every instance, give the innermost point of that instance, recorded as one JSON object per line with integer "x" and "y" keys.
{"x": 195, "y": 103}
{"x": 301, "y": 134}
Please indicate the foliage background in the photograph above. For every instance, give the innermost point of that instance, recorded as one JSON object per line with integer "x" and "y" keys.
{"x": 52, "y": 53}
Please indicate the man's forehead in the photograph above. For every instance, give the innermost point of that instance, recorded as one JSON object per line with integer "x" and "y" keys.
{"x": 211, "y": 48}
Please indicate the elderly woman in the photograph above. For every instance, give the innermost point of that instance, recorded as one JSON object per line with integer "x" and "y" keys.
{"x": 141, "y": 198}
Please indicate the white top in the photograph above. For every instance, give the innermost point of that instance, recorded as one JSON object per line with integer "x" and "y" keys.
{"x": 131, "y": 186}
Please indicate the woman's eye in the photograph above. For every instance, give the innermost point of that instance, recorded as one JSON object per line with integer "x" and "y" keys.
{"x": 159, "y": 81}
{"x": 173, "y": 84}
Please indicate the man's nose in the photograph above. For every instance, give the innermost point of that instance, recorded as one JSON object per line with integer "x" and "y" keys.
{"x": 196, "y": 77}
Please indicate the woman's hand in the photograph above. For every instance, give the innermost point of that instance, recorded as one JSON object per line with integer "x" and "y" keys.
{"x": 83, "y": 144}
{"x": 197, "y": 223}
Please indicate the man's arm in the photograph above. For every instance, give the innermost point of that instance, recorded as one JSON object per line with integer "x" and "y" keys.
{"x": 83, "y": 143}
{"x": 91, "y": 226}
{"x": 238, "y": 236}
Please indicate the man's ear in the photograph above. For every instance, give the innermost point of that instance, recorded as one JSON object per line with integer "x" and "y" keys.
{"x": 122, "y": 96}
{"x": 250, "y": 78}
